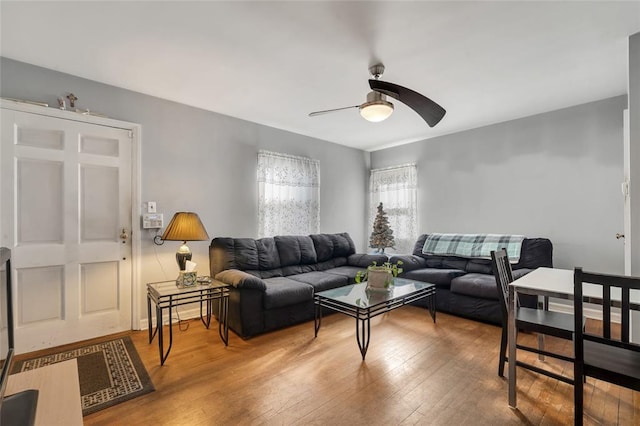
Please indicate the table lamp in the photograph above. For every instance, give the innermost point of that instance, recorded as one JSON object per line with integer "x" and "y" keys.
{"x": 185, "y": 226}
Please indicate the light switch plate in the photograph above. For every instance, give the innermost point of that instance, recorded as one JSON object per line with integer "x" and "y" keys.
{"x": 152, "y": 220}
{"x": 151, "y": 207}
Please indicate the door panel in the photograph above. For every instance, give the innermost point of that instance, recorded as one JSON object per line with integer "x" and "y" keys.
{"x": 100, "y": 284}
{"x": 66, "y": 192}
{"x": 40, "y": 297}
{"x": 40, "y": 214}
{"x": 99, "y": 203}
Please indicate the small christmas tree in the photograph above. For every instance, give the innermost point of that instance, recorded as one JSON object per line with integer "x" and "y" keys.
{"x": 382, "y": 235}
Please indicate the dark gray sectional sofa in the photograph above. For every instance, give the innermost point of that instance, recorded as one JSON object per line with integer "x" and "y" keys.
{"x": 467, "y": 287}
{"x": 273, "y": 279}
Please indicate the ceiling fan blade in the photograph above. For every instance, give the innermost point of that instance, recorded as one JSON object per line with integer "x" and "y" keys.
{"x": 326, "y": 111}
{"x": 430, "y": 111}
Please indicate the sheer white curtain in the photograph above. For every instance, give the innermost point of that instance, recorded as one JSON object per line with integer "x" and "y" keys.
{"x": 397, "y": 189}
{"x": 288, "y": 195}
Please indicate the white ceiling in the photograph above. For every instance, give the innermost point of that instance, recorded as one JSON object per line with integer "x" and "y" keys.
{"x": 274, "y": 62}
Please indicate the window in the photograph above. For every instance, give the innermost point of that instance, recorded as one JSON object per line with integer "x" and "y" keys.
{"x": 288, "y": 195}
{"x": 396, "y": 188}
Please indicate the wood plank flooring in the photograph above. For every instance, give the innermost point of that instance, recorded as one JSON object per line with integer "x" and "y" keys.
{"x": 416, "y": 373}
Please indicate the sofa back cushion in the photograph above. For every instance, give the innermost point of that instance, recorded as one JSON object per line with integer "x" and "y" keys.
{"x": 535, "y": 253}
{"x": 281, "y": 255}
{"x": 257, "y": 257}
{"x": 330, "y": 246}
{"x": 295, "y": 250}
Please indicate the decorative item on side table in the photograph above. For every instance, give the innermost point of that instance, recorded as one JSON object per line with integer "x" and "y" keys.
{"x": 379, "y": 277}
{"x": 382, "y": 235}
{"x": 185, "y": 226}
{"x": 187, "y": 278}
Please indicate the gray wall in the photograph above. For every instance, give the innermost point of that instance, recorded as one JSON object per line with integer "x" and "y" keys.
{"x": 554, "y": 175}
{"x": 204, "y": 162}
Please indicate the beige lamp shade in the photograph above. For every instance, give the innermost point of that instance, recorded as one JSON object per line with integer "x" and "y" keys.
{"x": 185, "y": 226}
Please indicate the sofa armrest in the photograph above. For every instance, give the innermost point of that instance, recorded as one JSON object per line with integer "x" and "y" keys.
{"x": 240, "y": 279}
{"x": 410, "y": 262}
{"x": 362, "y": 260}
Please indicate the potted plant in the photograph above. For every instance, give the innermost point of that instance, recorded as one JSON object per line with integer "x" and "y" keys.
{"x": 379, "y": 277}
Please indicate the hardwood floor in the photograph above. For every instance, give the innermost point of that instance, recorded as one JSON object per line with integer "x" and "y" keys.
{"x": 416, "y": 373}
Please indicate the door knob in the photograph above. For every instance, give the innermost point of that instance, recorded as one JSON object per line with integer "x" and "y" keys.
{"x": 619, "y": 235}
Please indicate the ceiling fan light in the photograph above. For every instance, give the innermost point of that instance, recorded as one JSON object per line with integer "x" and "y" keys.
{"x": 376, "y": 112}
{"x": 377, "y": 108}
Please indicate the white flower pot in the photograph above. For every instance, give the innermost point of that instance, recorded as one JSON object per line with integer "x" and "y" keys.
{"x": 379, "y": 278}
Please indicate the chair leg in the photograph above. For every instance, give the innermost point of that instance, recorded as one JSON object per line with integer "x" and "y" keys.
{"x": 578, "y": 388}
{"x": 503, "y": 352}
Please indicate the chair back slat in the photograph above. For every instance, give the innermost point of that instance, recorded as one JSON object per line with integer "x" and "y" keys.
{"x": 625, "y": 313}
{"x": 504, "y": 277}
{"x": 606, "y": 311}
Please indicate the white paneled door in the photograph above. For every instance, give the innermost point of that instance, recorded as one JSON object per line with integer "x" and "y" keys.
{"x": 66, "y": 214}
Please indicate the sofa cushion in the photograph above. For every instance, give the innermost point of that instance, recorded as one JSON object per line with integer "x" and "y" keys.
{"x": 268, "y": 256}
{"x": 323, "y": 245}
{"x": 477, "y": 285}
{"x": 282, "y": 291}
{"x": 331, "y": 263}
{"x": 433, "y": 261}
{"x": 409, "y": 261}
{"x": 328, "y": 246}
{"x": 520, "y": 273}
{"x": 480, "y": 266}
{"x": 452, "y": 262}
{"x": 536, "y": 252}
{"x": 343, "y": 245}
{"x": 295, "y": 250}
{"x": 245, "y": 253}
{"x": 298, "y": 269}
{"x": 439, "y": 277}
{"x": 417, "y": 248}
{"x": 345, "y": 271}
{"x": 363, "y": 260}
{"x": 321, "y": 281}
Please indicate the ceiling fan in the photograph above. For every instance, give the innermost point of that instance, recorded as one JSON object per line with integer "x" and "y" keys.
{"x": 377, "y": 108}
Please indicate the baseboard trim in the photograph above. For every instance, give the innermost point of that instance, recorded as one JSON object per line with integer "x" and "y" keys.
{"x": 593, "y": 313}
{"x": 183, "y": 314}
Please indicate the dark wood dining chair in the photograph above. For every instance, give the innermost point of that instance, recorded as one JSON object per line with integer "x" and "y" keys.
{"x": 603, "y": 355}
{"x": 529, "y": 320}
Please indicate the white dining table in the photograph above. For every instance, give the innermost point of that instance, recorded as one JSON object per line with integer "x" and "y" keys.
{"x": 550, "y": 282}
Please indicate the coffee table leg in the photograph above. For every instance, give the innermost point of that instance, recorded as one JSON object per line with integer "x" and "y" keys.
{"x": 317, "y": 321}
{"x": 432, "y": 305}
{"x": 363, "y": 332}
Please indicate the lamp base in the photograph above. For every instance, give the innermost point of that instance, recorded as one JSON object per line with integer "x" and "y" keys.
{"x": 182, "y": 255}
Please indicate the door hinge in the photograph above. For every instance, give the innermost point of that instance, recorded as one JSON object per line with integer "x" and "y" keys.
{"x": 130, "y": 134}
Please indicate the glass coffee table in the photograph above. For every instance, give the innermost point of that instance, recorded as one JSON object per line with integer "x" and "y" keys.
{"x": 362, "y": 304}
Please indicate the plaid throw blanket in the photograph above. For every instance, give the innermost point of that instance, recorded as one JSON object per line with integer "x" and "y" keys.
{"x": 473, "y": 245}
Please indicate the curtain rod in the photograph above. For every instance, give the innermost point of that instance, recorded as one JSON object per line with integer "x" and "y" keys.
{"x": 394, "y": 167}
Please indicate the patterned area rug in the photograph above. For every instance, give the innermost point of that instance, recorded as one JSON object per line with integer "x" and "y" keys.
{"x": 110, "y": 372}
